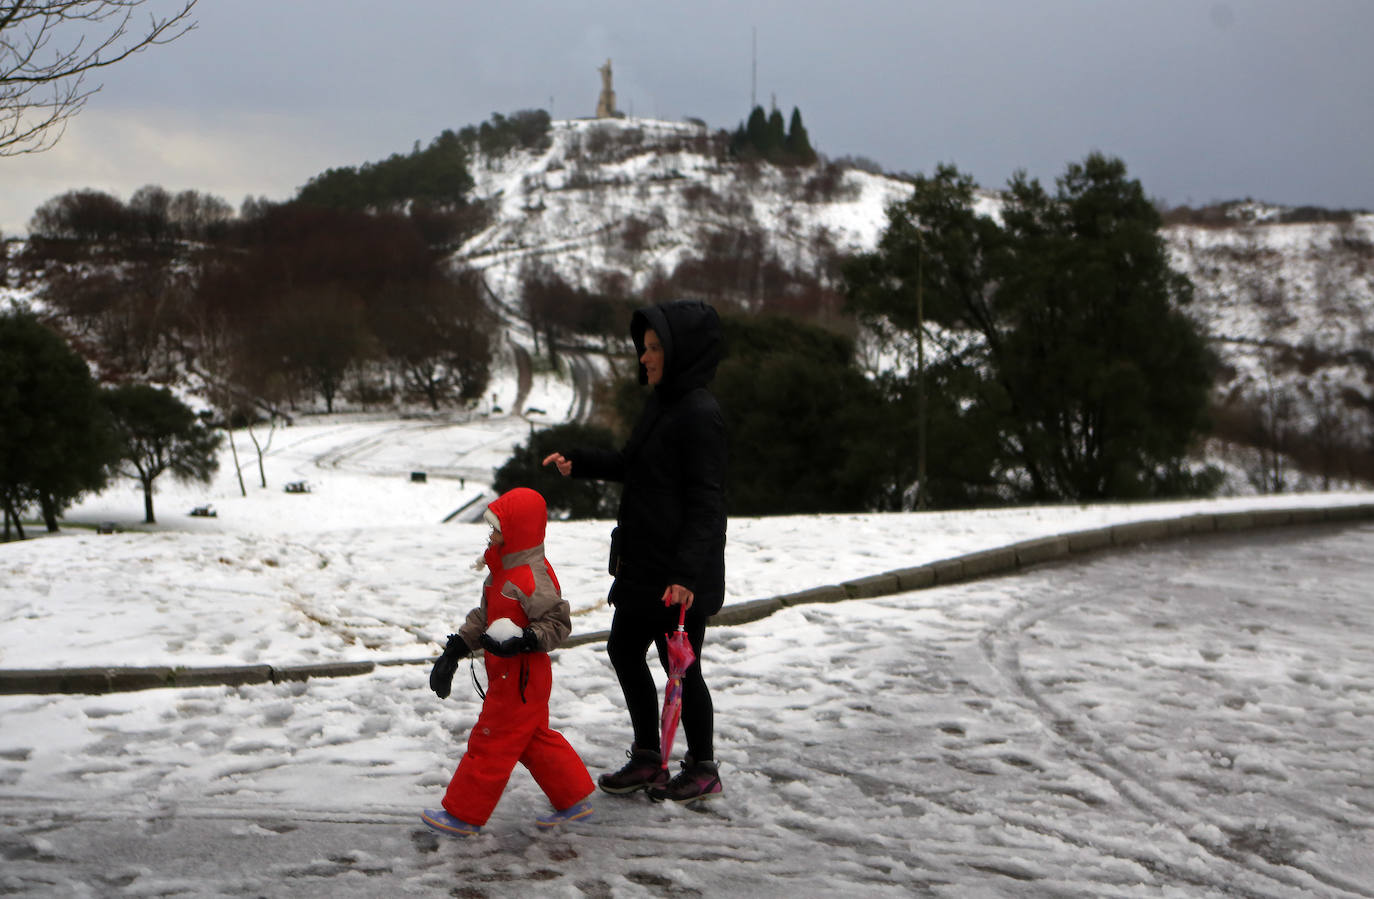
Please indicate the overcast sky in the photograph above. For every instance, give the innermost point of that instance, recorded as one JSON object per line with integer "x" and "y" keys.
{"x": 1204, "y": 101}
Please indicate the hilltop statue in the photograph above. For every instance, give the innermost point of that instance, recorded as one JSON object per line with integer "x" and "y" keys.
{"x": 605, "y": 104}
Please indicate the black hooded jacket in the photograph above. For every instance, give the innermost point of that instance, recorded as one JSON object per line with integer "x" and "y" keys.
{"x": 671, "y": 524}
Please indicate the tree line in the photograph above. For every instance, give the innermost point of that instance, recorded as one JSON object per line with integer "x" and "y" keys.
{"x": 153, "y": 215}
{"x": 764, "y": 136}
{"x": 430, "y": 185}
{"x": 285, "y": 304}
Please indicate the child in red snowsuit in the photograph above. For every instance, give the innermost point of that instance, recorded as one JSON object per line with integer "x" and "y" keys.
{"x": 514, "y": 723}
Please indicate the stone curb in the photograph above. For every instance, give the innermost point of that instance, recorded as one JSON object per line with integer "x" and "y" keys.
{"x": 980, "y": 564}
{"x": 124, "y": 680}
{"x": 992, "y": 562}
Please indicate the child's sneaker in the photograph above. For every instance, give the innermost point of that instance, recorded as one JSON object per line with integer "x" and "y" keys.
{"x": 442, "y": 821}
{"x": 696, "y": 780}
{"x": 643, "y": 771}
{"x": 578, "y": 811}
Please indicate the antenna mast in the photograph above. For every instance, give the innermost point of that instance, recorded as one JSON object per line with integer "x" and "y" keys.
{"x": 753, "y": 66}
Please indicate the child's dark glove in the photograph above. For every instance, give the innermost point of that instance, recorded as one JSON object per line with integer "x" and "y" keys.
{"x": 441, "y": 676}
{"x": 511, "y": 646}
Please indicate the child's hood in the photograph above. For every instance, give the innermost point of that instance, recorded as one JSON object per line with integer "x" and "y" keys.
{"x": 523, "y": 515}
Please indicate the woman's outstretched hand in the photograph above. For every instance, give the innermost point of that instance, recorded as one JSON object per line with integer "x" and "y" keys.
{"x": 559, "y": 461}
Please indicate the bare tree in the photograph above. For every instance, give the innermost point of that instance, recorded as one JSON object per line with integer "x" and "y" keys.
{"x": 1275, "y": 429}
{"x": 1329, "y": 438}
{"x": 49, "y": 47}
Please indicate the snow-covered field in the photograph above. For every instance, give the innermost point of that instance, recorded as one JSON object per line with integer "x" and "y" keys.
{"x": 364, "y": 567}
{"x": 1193, "y": 720}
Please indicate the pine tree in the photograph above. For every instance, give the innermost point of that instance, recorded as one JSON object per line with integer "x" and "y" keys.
{"x": 766, "y": 137}
{"x": 804, "y": 423}
{"x": 55, "y": 441}
{"x": 566, "y": 497}
{"x": 799, "y": 150}
{"x": 756, "y": 133}
{"x": 1072, "y": 357}
{"x": 775, "y": 144}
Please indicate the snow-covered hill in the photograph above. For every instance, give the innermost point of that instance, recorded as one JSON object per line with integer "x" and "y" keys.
{"x": 1289, "y": 307}
{"x": 1268, "y": 293}
{"x": 634, "y": 197}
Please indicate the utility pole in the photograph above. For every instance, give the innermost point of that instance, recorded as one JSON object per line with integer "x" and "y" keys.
{"x": 753, "y": 66}
{"x": 920, "y": 377}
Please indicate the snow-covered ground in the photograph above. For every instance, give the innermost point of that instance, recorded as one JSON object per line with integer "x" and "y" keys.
{"x": 365, "y": 567}
{"x": 1191, "y": 720}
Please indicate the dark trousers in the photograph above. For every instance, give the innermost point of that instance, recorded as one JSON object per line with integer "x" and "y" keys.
{"x": 641, "y": 619}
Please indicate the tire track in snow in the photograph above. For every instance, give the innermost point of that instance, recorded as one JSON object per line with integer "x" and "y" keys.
{"x": 1092, "y": 752}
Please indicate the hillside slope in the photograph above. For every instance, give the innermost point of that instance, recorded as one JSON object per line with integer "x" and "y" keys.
{"x": 633, "y": 198}
{"x": 618, "y": 204}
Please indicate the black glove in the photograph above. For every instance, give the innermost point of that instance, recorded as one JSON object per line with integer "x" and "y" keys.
{"x": 441, "y": 676}
{"x": 511, "y": 646}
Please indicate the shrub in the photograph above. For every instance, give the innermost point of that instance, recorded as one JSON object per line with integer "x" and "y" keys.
{"x": 566, "y": 497}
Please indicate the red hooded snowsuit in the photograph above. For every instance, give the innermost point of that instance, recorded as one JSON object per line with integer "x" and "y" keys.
{"x": 514, "y": 723}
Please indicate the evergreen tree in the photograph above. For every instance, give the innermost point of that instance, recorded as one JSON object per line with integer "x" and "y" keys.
{"x": 775, "y": 141}
{"x": 756, "y": 132}
{"x": 55, "y": 443}
{"x": 566, "y": 497}
{"x": 527, "y": 129}
{"x": 436, "y": 176}
{"x": 1070, "y": 363}
{"x": 804, "y": 425}
{"x": 158, "y": 433}
{"x": 799, "y": 150}
{"x": 766, "y": 137}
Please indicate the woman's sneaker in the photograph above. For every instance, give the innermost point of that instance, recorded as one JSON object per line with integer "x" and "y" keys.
{"x": 442, "y": 821}
{"x": 579, "y": 811}
{"x": 696, "y": 780}
{"x": 643, "y": 771}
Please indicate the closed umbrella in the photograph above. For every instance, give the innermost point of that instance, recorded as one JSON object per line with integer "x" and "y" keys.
{"x": 680, "y": 658}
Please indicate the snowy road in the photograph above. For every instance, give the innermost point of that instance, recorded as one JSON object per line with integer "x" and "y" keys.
{"x": 1193, "y": 719}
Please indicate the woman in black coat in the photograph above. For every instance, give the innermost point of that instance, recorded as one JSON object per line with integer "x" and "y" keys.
{"x": 668, "y": 547}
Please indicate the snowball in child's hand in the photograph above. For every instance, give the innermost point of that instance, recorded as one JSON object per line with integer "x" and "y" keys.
{"x": 503, "y": 629}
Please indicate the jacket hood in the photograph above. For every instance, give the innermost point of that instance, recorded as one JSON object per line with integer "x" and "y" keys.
{"x": 523, "y": 516}
{"x": 690, "y": 333}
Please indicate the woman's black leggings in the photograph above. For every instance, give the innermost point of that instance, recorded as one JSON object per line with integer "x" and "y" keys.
{"x": 640, "y": 619}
